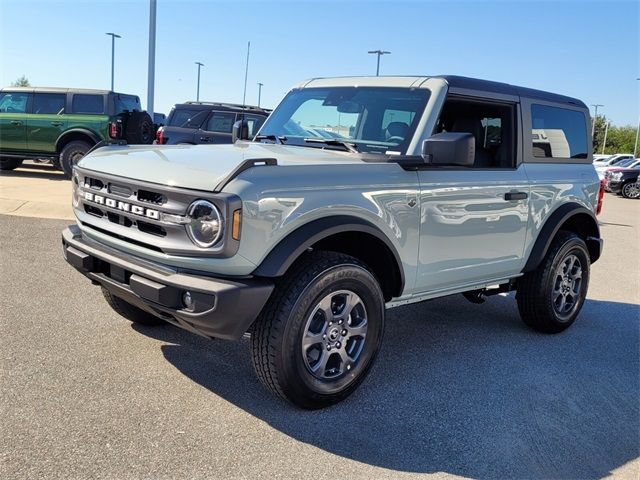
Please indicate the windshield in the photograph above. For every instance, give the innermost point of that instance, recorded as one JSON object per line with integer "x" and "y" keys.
{"x": 374, "y": 119}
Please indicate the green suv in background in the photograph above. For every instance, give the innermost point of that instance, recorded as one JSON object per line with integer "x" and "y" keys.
{"x": 63, "y": 124}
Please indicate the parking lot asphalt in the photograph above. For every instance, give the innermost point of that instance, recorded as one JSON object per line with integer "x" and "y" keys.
{"x": 458, "y": 390}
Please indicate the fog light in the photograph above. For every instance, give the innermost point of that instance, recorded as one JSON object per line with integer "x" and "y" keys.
{"x": 187, "y": 299}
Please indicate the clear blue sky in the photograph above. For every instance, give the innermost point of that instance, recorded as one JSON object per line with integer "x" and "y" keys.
{"x": 586, "y": 49}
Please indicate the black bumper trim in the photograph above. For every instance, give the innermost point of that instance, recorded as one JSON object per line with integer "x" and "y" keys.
{"x": 222, "y": 308}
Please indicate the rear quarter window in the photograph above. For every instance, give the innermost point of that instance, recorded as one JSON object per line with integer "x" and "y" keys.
{"x": 86, "y": 103}
{"x": 558, "y": 133}
{"x": 127, "y": 103}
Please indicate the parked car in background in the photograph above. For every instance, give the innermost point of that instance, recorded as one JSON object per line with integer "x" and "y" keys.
{"x": 612, "y": 160}
{"x": 63, "y": 124}
{"x": 599, "y": 158}
{"x": 627, "y": 162}
{"x": 207, "y": 122}
{"x": 159, "y": 119}
{"x": 624, "y": 182}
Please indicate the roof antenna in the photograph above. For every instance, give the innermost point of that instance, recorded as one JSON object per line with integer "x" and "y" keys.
{"x": 246, "y": 74}
{"x": 244, "y": 94}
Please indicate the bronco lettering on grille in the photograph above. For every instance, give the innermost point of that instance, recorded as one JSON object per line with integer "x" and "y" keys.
{"x": 118, "y": 205}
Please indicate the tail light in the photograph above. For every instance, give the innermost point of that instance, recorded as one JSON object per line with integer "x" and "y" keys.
{"x": 160, "y": 136}
{"x": 600, "y": 198}
{"x": 113, "y": 129}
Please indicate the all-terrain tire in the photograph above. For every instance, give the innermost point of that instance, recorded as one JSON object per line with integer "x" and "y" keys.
{"x": 277, "y": 339}
{"x": 7, "y": 163}
{"x": 130, "y": 312}
{"x": 539, "y": 292}
{"x": 71, "y": 153}
{"x": 139, "y": 129}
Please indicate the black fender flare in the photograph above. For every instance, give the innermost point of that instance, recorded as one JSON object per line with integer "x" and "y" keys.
{"x": 289, "y": 249}
{"x": 551, "y": 226}
{"x": 82, "y": 131}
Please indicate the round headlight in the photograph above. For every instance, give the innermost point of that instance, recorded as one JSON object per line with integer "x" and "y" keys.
{"x": 205, "y": 224}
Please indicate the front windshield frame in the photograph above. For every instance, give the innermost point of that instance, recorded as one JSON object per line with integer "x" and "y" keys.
{"x": 379, "y": 101}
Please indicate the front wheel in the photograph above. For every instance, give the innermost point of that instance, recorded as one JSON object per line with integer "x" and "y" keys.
{"x": 319, "y": 334}
{"x": 550, "y": 297}
{"x": 631, "y": 190}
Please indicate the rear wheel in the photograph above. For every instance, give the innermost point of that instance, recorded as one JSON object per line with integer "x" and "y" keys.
{"x": 7, "y": 163}
{"x": 551, "y": 297}
{"x": 318, "y": 336}
{"x": 631, "y": 190}
{"x": 71, "y": 154}
{"x": 130, "y": 312}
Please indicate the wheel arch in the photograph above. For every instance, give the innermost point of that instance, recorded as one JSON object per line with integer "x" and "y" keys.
{"x": 344, "y": 234}
{"x": 571, "y": 217}
{"x": 76, "y": 134}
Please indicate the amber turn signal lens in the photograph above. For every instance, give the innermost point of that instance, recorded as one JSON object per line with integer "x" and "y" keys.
{"x": 235, "y": 228}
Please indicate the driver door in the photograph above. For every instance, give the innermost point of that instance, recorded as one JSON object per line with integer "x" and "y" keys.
{"x": 474, "y": 219}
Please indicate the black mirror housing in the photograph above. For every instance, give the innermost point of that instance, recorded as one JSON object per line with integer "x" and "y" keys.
{"x": 240, "y": 131}
{"x": 450, "y": 148}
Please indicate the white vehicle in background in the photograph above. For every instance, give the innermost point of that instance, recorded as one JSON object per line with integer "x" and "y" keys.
{"x": 612, "y": 160}
{"x": 625, "y": 163}
{"x": 599, "y": 158}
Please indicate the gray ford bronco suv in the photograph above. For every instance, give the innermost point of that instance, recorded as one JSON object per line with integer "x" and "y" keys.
{"x": 356, "y": 195}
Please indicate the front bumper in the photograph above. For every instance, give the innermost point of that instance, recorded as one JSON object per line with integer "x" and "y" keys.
{"x": 222, "y": 308}
{"x": 613, "y": 186}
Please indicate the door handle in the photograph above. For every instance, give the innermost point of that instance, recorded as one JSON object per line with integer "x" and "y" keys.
{"x": 204, "y": 139}
{"x": 56, "y": 124}
{"x": 16, "y": 122}
{"x": 515, "y": 196}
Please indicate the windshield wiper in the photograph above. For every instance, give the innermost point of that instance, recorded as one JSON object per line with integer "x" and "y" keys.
{"x": 278, "y": 139}
{"x": 350, "y": 147}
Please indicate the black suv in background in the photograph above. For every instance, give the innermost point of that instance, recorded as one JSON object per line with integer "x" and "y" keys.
{"x": 208, "y": 123}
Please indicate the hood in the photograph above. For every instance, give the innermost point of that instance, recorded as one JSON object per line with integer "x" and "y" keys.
{"x": 199, "y": 167}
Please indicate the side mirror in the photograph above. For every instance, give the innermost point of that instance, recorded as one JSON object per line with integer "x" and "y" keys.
{"x": 240, "y": 131}
{"x": 450, "y": 148}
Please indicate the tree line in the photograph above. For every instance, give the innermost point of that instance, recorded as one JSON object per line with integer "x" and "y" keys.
{"x": 619, "y": 139}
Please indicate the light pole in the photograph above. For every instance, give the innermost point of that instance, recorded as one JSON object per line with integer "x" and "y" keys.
{"x": 198, "y": 87}
{"x": 151, "y": 67}
{"x": 635, "y": 145}
{"x": 595, "y": 116}
{"x": 259, "y": 92}
{"x": 379, "y": 53}
{"x": 113, "y": 53}
{"x": 606, "y": 131}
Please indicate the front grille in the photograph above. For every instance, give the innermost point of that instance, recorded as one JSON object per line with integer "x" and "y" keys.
{"x": 147, "y": 214}
{"x": 151, "y": 197}
{"x": 119, "y": 190}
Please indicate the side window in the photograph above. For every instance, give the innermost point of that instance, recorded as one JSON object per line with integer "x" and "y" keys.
{"x": 49, "y": 103}
{"x": 187, "y": 118}
{"x": 83, "y": 103}
{"x": 13, "y": 102}
{"x": 491, "y": 124}
{"x": 558, "y": 132}
{"x": 221, "y": 122}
